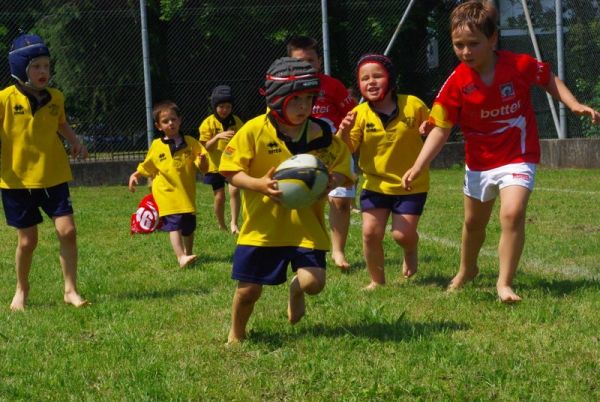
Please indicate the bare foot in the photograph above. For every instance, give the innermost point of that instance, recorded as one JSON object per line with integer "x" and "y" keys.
{"x": 19, "y": 300}
{"x": 74, "y": 299}
{"x": 372, "y": 286}
{"x": 296, "y": 307}
{"x": 461, "y": 280}
{"x": 340, "y": 261}
{"x": 233, "y": 227}
{"x": 409, "y": 266}
{"x": 233, "y": 340}
{"x": 186, "y": 260}
{"x": 507, "y": 295}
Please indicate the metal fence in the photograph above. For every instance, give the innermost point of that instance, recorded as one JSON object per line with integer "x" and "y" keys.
{"x": 96, "y": 49}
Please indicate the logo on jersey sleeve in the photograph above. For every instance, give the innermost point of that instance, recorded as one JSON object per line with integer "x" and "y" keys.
{"x": 18, "y": 109}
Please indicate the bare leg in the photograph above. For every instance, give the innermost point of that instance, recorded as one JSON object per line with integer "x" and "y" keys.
{"x": 67, "y": 237}
{"x": 244, "y": 299}
{"x": 404, "y": 232}
{"x": 178, "y": 246}
{"x": 513, "y": 207}
{"x": 339, "y": 221}
{"x": 219, "y": 207}
{"x": 188, "y": 244}
{"x": 374, "y": 221}
{"x": 27, "y": 239}
{"x": 477, "y": 216}
{"x": 234, "y": 205}
{"x": 310, "y": 280}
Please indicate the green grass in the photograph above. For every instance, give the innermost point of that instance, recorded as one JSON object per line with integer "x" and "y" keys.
{"x": 156, "y": 332}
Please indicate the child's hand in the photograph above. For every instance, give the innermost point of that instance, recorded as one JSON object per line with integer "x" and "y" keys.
{"x": 202, "y": 163}
{"x": 78, "y": 150}
{"x": 411, "y": 174}
{"x": 346, "y": 125}
{"x": 226, "y": 135}
{"x": 425, "y": 128}
{"x": 584, "y": 110}
{"x": 268, "y": 186}
{"x": 133, "y": 181}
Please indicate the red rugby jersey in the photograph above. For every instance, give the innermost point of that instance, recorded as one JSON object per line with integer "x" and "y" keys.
{"x": 497, "y": 121}
{"x": 333, "y": 102}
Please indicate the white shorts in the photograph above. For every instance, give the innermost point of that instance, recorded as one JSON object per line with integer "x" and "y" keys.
{"x": 486, "y": 185}
{"x": 345, "y": 192}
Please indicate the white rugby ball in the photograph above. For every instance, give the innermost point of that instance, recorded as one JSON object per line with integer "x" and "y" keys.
{"x": 302, "y": 179}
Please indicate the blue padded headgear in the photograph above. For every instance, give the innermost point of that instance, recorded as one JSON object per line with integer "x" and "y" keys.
{"x": 221, "y": 94}
{"x": 24, "y": 49}
{"x": 285, "y": 78}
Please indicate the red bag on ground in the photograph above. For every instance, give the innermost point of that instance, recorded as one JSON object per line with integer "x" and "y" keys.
{"x": 146, "y": 219}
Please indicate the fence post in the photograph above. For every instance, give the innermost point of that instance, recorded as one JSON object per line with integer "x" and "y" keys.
{"x": 560, "y": 64}
{"x": 325, "y": 24}
{"x": 147, "y": 78}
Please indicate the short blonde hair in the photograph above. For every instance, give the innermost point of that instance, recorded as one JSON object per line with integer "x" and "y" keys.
{"x": 478, "y": 15}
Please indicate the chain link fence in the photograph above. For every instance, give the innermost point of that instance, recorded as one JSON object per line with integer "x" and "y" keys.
{"x": 97, "y": 57}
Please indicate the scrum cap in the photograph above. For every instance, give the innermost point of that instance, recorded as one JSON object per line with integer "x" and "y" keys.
{"x": 285, "y": 78}
{"x": 25, "y": 48}
{"x": 221, "y": 94}
{"x": 384, "y": 62}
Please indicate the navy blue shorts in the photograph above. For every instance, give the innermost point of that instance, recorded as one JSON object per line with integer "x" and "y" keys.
{"x": 21, "y": 206}
{"x": 268, "y": 265}
{"x": 216, "y": 180}
{"x": 409, "y": 204}
{"x": 184, "y": 222}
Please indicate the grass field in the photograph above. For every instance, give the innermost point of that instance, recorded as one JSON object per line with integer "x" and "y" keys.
{"x": 156, "y": 332}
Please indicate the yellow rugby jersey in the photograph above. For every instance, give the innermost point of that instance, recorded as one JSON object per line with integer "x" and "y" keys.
{"x": 174, "y": 175}
{"x": 210, "y": 127}
{"x": 33, "y": 155}
{"x": 386, "y": 153}
{"x": 255, "y": 149}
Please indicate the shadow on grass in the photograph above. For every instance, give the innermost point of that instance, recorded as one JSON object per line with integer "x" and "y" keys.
{"x": 399, "y": 331}
{"x": 557, "y": 287}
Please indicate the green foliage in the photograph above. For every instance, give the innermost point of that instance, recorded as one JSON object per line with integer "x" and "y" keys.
{"x": 156, "y": 332}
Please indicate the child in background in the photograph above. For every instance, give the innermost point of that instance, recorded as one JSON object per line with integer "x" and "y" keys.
{"x": 34, "y": 169}
{"x": 488, "y": 95}
{"x": 332, "y": 104}
{"x": 215, "y": 132}
{"x": 173, "y": 161}
{"x": 385, "y": 132}
{"x": 273, "y": 236}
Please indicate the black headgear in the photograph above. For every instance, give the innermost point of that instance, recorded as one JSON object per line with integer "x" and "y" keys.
{"x": 384, "y": 62}
{"x": 285, "y": 78}
{"x": 221, "y": 94}
{"x": 25, "y": 48}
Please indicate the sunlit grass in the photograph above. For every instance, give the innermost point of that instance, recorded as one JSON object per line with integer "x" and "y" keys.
{"x": 156, "y": 332}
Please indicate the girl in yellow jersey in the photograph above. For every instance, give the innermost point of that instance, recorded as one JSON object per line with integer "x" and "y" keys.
{"x": 385, "y": 131}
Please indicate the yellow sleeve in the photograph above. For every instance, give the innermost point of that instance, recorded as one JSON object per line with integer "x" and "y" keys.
{"x": 147, "y": 167}
{"x": 238, "y": 153}
{"x": 357, "y": 131}
{"x": 206, "y": 131}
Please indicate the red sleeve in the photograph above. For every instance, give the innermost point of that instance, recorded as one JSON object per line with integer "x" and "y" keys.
{"x": 533, "y": 70}
{"x": 343, "y": 101}
{"x": 446, "y": 107}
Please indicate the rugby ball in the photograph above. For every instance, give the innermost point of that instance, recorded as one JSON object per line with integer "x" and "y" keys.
{"x": 302, "y": 179}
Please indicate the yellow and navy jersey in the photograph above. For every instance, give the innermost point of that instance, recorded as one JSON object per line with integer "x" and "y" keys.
{"x": 210, "y": 127}
{"x": 388, "y": 151}
{"x": 255, "y": 149}
{"x": 33, "y": 155}
{"x": 173, "y": 170}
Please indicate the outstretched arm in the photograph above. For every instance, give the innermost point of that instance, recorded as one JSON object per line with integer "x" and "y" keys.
{"x": 559, "y": 91}
{"x": 433, "y": 144}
